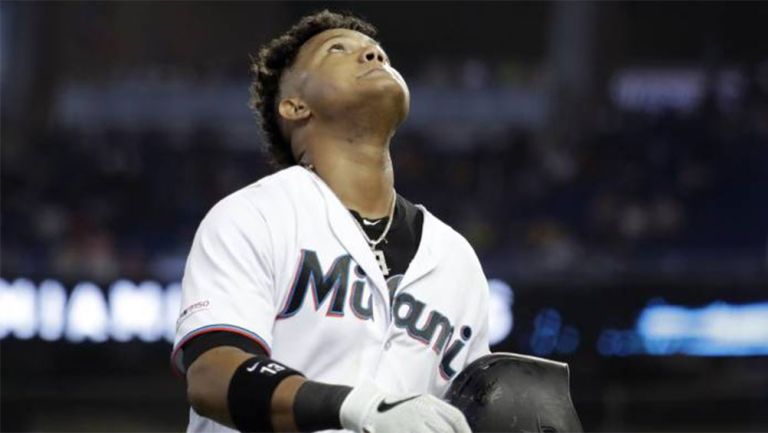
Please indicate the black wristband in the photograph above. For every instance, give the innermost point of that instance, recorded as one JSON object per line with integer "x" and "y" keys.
{"x": 317, "y": 406}
{"x": 250, "y": 393}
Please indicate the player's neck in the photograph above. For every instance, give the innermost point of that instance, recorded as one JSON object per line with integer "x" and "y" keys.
{"x": 358, "y": 169}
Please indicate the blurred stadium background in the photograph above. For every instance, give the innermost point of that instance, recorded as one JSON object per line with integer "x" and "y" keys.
{"x": 608, "y": 161}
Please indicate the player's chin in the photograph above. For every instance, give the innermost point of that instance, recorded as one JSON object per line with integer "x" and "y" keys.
{"x": 401, "y": 103}
{"x": 392, "y": 99}
{"x": 403, "y": 106}
{"x": 386, "y": 89}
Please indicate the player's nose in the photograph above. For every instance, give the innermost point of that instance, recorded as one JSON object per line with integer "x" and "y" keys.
{"x": 373, "y": 53}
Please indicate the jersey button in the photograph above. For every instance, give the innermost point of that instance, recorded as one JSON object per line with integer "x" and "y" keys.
{"x": 387, "y": 345}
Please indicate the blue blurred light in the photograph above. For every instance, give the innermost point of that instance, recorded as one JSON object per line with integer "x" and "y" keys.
{"x": 568, "y": 341}
{"x": 607, "y": 342}
{"x": 546, "y": 329}
{"x": 718, "y": 329}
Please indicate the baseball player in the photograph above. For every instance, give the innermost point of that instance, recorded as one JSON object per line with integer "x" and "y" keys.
{"x": 318, "y": 298}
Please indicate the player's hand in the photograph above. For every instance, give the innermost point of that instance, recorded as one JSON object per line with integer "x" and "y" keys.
{"x": 369, "y": 410}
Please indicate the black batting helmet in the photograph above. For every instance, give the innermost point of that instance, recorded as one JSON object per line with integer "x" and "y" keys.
{"x": 507, "y": 392}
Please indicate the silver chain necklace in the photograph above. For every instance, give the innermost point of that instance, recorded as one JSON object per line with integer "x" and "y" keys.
{"x": 383, "y": 235}
{"x": 377, "y": 253}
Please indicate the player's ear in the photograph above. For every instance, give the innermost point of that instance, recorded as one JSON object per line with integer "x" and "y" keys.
{"x": 293, "y": 109}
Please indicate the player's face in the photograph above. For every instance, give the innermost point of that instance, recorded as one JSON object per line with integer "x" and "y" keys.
{"x": 340, "y": 70}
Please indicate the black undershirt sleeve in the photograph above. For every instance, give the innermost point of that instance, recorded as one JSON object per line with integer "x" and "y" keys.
{"x": 203, "y": 343}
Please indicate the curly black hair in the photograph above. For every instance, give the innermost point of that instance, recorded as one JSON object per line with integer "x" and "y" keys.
{"x": 278, "y": 55}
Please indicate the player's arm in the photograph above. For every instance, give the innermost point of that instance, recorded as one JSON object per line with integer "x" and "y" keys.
{"x": 208, "y": 382}
{"x": 224, "y": 385}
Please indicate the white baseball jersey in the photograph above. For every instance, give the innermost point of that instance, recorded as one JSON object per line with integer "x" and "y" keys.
{"x": 283, "y": 263}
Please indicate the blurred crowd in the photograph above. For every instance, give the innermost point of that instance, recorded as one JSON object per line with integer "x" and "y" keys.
{"x": 628, "y": 192}
{"x": 641, "y": 193}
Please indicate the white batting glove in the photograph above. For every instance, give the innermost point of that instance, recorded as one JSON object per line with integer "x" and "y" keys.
{"x": 369, "y": 410}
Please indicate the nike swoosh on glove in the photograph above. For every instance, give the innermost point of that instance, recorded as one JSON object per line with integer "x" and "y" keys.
{"x": 369, "y": 410}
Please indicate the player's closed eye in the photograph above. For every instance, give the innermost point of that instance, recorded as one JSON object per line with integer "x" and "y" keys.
{"x": 337, "y": 48}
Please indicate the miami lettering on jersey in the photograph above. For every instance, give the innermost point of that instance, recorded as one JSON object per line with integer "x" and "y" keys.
{"x": 406, "y": 309}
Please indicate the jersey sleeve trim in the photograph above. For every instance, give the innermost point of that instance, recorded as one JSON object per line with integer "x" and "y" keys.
{"x": 178, "y": 366}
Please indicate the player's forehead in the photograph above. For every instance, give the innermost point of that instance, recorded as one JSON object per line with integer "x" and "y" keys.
{"x": 319, "y": 40}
